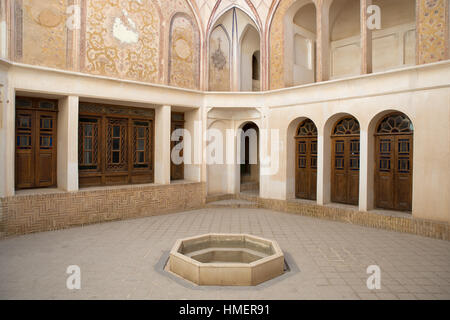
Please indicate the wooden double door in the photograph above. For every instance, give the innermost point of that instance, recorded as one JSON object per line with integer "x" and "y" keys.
{"x": 393, "y": 175}
{"x": 345, "y": 170}
{"x": 35, "y": 159}
{"x": 306, "y": 168}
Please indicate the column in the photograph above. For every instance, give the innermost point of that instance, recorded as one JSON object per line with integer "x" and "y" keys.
{"x": 323, "y": 40}
{"x": 366, "y": 39}
{"x": 162, "y": 144}
{"x": 323, "y": 167}
{"x": 67, "y": 143}
{"x": 366, "y": 173}
{"x": 7, "y": 138}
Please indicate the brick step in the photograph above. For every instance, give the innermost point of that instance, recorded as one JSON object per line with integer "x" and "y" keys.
{"x": 250, "y": 186}
{"x": 219, "y": 197}
{"x": 248, "y": 196}
{"x": 232, "y": 203}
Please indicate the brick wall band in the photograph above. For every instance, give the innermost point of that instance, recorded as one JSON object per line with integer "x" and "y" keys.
{"x": 421, "y": 227}
{"x": 24, "y": 214}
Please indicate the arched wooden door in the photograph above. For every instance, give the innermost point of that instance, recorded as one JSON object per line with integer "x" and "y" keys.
{"x": 345, "y": 161}
{"x": 394, "y": 165}
{"x": 306, "y": 160}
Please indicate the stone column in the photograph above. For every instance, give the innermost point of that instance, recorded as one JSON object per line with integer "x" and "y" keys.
{"x": 7, "y": 138}
{"x": 366, "y": 39}
{"x": 67, "y": 143}
{"x": 366, "y": 173}
{"x": 323, "y": 40}
{"x": 432, "y": 34}
{"x": 323, "y": 166}
{"x": 162, "y": 144}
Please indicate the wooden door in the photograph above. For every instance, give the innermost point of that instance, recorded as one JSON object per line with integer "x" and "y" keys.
{"x": 393, "y": 174}
{"x": 306, "y": 161}
{"x": 177, "y": 169}
{"x": 45, "y": 149}
{"x": 35, "y": 160}
{"x": 345, "y": 162}
{"x": 306, "y": 168}
{"x": 25, "y": 149}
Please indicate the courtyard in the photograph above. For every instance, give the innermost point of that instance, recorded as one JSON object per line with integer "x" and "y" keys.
{"x": 126, "y": 259}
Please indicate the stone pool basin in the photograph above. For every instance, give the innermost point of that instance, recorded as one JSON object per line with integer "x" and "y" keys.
{"x": 226, "y": 259}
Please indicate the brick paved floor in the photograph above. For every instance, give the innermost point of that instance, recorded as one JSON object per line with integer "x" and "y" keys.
{"x": 125, "y": 259}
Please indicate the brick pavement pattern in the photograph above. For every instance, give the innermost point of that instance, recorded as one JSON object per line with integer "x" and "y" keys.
{"x": 125, "y": 259}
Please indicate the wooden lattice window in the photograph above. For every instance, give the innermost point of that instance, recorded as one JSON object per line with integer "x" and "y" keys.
{"x": 115, "y": 145}
{"x": 395, "y": 123}
{"x": 88, "y": 143}
{"x": 347, "y": 126}
{"x": 141, "y": 138}
{"x": 307, "y": 129}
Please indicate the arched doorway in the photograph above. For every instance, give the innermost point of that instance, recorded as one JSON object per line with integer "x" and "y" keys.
{"x": 394, "y": 165}
{"x": 306, "y": 160}
{"x": 345, "y": 161}
{"x": 249, "y": 158}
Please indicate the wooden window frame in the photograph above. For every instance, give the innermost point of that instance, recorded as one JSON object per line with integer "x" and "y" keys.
{"x": 108, "y": 174}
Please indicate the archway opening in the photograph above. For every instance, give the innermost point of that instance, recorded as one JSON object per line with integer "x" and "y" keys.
{"x": 249, "y": 158}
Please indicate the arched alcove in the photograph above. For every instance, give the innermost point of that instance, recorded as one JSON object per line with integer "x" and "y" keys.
{"x": 300, "y": 43}
{"x": 242, "y": 41}
{"x": 394, "y": 45}
{"x": 345, "y": 39}
{"x": 249, "y": 45}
